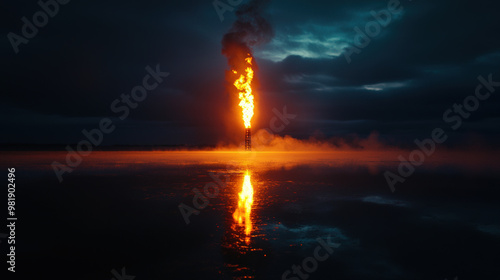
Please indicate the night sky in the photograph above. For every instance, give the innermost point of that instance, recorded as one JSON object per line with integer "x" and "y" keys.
{"x": 428, "y": 57}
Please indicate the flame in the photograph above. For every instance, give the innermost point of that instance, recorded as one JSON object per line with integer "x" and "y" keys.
{"x": 244, "y": 86}
{"x": 242, "y": 213}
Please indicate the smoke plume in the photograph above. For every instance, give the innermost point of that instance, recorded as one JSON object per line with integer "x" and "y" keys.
{"x": 250, "y": 29}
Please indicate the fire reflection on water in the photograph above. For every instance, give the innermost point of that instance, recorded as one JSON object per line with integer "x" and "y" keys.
{"x": 245, "y": 201}
{"x": 243, "y": 245}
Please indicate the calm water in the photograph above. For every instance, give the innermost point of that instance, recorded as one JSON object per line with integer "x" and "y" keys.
{"x": 121, "y": 209}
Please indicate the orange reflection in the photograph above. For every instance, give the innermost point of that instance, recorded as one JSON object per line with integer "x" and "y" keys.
{"x": 245, "y": 201}
{"x": 244, "y": 245}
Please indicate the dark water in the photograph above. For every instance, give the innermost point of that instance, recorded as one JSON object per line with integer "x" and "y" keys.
{"x": 121, "y": 210}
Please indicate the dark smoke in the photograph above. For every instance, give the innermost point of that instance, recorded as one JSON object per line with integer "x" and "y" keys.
{"x": 250, "y": 29}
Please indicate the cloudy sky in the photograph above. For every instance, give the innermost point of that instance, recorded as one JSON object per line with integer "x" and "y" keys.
{"x": 427, "y": 57}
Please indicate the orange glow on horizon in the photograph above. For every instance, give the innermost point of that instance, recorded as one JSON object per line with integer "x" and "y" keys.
{"x": 245, "y": 201}
{"x": 244, "y": 86}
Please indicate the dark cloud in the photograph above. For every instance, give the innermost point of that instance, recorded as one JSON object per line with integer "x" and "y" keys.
{"x": 67, "y": 76}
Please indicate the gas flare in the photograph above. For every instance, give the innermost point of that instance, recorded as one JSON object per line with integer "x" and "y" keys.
{"x": 245, "y": 201}
{"x": 249, "y": 30}
{"x": 243, "y": 84}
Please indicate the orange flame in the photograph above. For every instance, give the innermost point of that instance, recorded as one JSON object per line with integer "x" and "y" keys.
{"x": 242, "y": 213}
{"x": 244, "y": 86}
